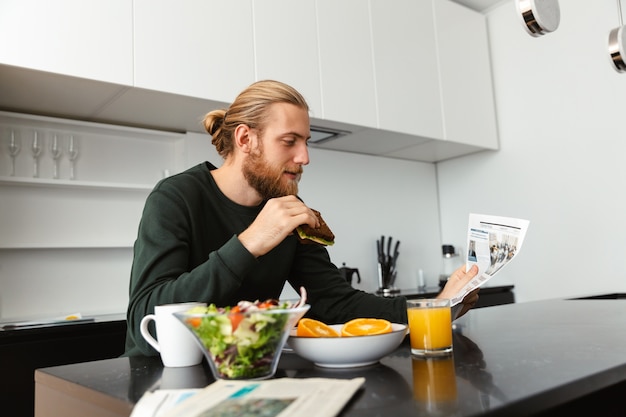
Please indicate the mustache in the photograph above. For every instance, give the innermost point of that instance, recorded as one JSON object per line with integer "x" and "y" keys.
{"x": 297, "y": 170}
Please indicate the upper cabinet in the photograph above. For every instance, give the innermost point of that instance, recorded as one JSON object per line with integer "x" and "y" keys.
{"x": 87, "y": 39}
{"x": 408, "y": 79}
{"x": 432, "y": 86}
{"x": 465, "y": 71}
{"x": 196, "y": 48}
{"x": 407, "y": 70}
{"x": 346, "y": 64}
{"x": 287, "y": 49}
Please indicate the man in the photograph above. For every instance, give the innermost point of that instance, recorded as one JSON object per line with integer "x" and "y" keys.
{"x": 221, "y": 235}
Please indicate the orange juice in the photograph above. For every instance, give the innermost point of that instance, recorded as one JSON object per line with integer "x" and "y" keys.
{"x": 430, "y": 326}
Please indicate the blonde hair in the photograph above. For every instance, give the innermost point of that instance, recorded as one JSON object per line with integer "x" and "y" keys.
{"x": 249, "y": 108}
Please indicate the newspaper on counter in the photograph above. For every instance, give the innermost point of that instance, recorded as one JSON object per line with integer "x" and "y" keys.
{"x": 158, "y": 402}
{"x": 492, "y": 242}
{"x": 281, "y": 397}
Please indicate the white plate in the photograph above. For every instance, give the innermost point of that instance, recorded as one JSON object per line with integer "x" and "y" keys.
{"x": 346, "y": 352}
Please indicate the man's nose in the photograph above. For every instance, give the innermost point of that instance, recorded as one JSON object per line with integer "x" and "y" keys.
{"x": 302, "y": 154}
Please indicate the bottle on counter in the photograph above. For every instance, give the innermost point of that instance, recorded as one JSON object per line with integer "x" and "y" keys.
{"x": 421, "y": 282}
{"x": 450, "y": 261}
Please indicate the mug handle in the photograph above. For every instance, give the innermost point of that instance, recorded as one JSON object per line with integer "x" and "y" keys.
{"x": 146, "y": 334}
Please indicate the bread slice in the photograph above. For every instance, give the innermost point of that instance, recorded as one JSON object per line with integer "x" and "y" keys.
{"x": 322, "y": 235}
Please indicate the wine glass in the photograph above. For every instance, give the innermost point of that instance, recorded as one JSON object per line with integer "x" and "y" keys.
{"x": 15, "y": 144}
{"x": 36, "y": 150}
{"x": 56, "y": 151}
{"x": 72, "y": 153}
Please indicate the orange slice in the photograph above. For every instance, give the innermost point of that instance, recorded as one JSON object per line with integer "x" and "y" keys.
{"x": 365, "y": 327}
{"x": 313, "y": 328}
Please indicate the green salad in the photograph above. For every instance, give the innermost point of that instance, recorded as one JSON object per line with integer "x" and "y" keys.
{"x": 242, "y": 340}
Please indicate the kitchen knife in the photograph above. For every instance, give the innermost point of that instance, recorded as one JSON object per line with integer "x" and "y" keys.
{"x": 395, "y": 255}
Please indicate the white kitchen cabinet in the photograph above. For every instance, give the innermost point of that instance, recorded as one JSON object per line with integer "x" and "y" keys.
{"x": 87, "y": 39}
{"x": 433, "y": 74}
{"x": 407, "y": 79}
{"x": 407, "y": 67}
{"x": 465, "y": 71}
{"x": 196, "y": 48}
{"x": 285, "y": 33}
{"x": 433, "y": 87}
{"x": 346, "y": 64}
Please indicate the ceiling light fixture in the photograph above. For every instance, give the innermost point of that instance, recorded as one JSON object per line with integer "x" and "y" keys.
{"x": 539, "y": 16}
{"x": 617, "y": 42}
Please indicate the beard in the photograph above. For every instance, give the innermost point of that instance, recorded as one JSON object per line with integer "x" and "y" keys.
{"x": 267, "y": 179}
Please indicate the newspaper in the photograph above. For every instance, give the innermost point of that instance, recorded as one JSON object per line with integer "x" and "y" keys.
{"x": 281, "y": 397}
{"x": 492, "y": 243}
{"x": 157, "y": 403}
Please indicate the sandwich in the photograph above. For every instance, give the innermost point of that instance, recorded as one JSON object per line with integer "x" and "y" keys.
{"x": 322, "y": 235}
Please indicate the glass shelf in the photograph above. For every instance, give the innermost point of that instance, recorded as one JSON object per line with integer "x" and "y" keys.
{"x": 92, "y": 185}
{"x": 112, "y": 246}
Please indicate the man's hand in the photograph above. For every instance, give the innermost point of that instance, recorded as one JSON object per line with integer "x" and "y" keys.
{"x": 455, "y": 283}
{"x": 275, "y": 222}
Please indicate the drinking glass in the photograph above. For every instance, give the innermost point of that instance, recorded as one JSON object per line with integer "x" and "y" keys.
{"x": 72, "y": 153}
{"x": 15, "y": 144}
{"x": 56, "y": 152}
{"x": 36, "y": 149}
{"x": 430, "y": 326}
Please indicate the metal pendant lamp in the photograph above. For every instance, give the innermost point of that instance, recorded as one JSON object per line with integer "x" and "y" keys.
{"x": 617, "y": 43}
{"x": 539, "y": 16}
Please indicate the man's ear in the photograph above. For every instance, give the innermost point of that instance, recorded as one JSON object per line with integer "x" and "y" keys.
{"x": 242, "y": 137}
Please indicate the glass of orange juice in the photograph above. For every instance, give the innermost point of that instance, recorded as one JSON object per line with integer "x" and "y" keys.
{"x": 430, "y": 326}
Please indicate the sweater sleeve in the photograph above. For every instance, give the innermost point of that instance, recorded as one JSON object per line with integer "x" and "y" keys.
{"x": 332, "y": 299}
{"x": 172, "y": 264}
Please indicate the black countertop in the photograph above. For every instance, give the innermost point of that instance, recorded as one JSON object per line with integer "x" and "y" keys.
{"x": 428, "y": 292}
{"x": 513, "y": 359}
{"x": 22, "y": 328}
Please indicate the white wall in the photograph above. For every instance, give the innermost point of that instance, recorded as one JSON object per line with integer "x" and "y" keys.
{"x": 37, "y": 283}
{"x": 562, "y": 120}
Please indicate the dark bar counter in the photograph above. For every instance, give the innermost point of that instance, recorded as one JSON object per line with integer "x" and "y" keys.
{"x": 26, "y": 348}
{"x": 525, "y": 359}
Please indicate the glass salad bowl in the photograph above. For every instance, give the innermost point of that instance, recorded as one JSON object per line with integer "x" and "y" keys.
{"x": 244, "y": 341}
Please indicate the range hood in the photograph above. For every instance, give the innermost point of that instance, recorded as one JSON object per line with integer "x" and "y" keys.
{"x": 320, "y": 135}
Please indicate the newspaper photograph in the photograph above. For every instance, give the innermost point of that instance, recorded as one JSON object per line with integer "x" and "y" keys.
{"x": 492, "y": 242}
{"x": 281, "y": 397}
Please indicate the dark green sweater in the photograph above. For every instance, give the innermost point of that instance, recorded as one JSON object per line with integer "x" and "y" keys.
{"x": 187, "y": 250}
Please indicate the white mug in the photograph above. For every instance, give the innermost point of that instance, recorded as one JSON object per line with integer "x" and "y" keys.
{"x": 176, "y": 344}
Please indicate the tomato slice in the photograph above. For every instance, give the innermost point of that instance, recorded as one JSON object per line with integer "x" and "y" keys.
{"x": 235, "y": 317}
{"x": 194, "y": 321}
{"x": 268, "y": 304}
